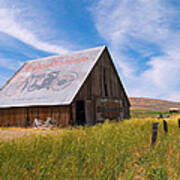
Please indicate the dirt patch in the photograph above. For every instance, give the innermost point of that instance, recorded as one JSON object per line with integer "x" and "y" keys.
{"x": 11, "y": 133}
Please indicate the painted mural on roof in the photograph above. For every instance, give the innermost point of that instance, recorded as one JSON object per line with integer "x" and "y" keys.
{"x": 53, "y": 80}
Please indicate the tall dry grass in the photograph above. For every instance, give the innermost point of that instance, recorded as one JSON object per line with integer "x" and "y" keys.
{"x": 106, "y": 151}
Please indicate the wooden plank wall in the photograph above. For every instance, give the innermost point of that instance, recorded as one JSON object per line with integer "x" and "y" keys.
{"x": 13, "y": 117}
{"x": 104, "y": 74}
{"x": 89, "y": 109}
{"x": 22, "y": 117}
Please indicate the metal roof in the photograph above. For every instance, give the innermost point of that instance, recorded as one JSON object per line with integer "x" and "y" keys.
{"x": 49, "y": 81}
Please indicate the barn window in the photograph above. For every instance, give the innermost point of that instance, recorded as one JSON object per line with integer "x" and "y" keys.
{"x": 105, "y": 88}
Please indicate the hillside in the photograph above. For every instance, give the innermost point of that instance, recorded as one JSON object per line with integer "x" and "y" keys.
{"x": 152, "y": 104}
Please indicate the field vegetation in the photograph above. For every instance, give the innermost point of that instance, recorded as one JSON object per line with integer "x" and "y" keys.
{"x": 113, "y": 150}
{"x": 144, "y": 113}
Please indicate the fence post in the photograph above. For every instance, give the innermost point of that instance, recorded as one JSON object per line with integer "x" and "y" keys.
{"x": 154, "y": 132}
{"x": 179, "y": 123}
{"x": 165, "y": 126}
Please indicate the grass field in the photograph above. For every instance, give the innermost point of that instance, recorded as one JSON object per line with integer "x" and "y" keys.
{"x": 143, "y": 113}
{"x": 106, "y": 151}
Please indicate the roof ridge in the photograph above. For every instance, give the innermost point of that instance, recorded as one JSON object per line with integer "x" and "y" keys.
{"x": 66, "y": 54}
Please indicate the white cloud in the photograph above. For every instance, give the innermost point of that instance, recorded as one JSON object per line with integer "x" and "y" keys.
{"x": 147, "y": 27}
{"x": 13, "y": 26}
{"x": 140, "y": 19}
{"x": 10, "y": 64}
{"x": 164, "y": 71}
{"x": 27, "y": 25}
{"x": 3, "y": 79}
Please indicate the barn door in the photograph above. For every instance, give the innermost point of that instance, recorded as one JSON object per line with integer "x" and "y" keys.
{"x": 80, "y": 113}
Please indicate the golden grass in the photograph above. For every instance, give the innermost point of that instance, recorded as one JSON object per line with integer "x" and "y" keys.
{"x": 106, "y": 151}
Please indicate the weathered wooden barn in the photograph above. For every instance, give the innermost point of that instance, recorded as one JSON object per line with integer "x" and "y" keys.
{"x": 78, "y": 88}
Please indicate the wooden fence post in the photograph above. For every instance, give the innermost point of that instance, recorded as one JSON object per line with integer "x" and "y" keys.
{"x": 154, "y": 132}
{"x": 165, "y": 126}
{"x": 179, "y": 123}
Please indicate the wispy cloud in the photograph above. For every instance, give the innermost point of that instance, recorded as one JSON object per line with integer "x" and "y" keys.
{"x": 23, "y": 22}
{"x": 3, "y": 79}
{"x": 11, "y": 26}
{"x": 10, "y": 64}
{"x": 147, "y": 28}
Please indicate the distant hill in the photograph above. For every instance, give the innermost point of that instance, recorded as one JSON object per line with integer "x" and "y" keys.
{"x": 152, "y": 104}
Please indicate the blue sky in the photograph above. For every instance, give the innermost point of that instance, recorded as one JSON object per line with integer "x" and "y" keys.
{"x": 143, "y": 37}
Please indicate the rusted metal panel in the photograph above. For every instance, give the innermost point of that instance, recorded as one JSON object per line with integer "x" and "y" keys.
{"x": 49, "y": 81}
{"x": 108, "y": 108}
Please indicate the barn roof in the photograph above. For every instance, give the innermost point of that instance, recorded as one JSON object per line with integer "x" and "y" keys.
{"x": 49, "y": 81}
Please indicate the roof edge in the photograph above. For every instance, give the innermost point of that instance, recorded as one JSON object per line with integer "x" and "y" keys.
{"x": 101, "y": 49}
{"x": 95, "y": 62}
{"x": 106, "y": 49}
{"x": 35, "y": 105}
{"x": 63, "y": 54}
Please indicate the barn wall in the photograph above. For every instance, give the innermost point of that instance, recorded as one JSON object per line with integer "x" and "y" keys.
{"x": 103, "y": 83}
{"x": 23, "y": 117}
{"x": 13, "y": 117}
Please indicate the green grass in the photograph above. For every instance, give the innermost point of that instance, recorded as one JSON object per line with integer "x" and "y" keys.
{"x": 142, "y": 113}
{"x": 107, "y": 151}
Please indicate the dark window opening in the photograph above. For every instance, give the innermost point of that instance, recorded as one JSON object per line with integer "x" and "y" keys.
{"x": 80, "y": 113}
{"x": 105, "y": 89}
{"x": 105, "y": 85}
{"x": 27, "y": 122}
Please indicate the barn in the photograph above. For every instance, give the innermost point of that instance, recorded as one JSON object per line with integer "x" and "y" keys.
{"x": 77, "y": 88}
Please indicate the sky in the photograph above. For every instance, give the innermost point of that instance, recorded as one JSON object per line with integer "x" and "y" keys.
{"x": 143, "y": 37}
